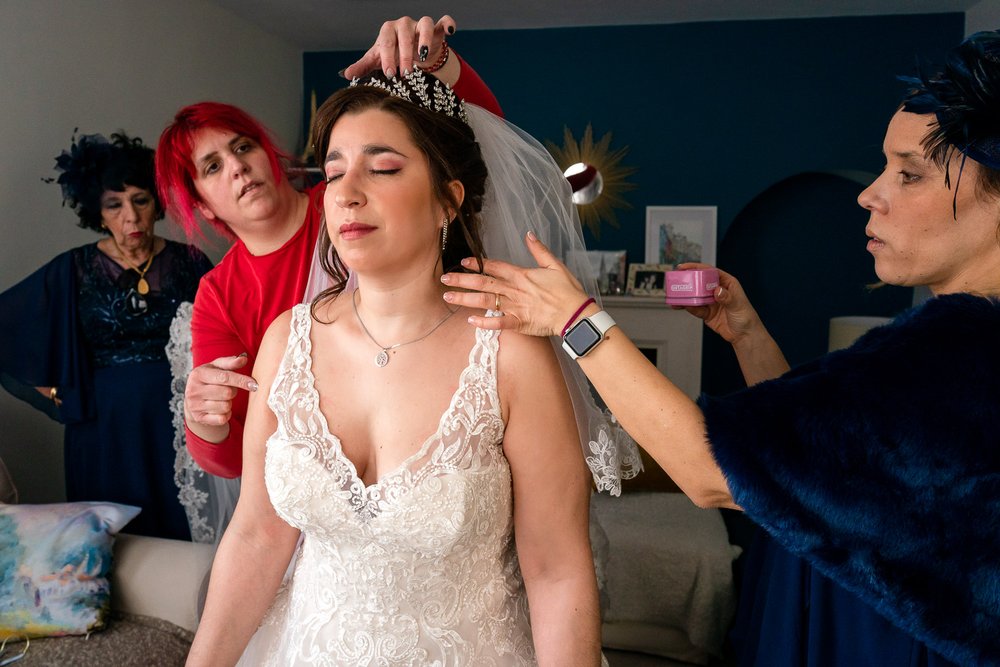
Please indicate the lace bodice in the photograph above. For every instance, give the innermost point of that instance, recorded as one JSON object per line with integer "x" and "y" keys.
{"x": 418, "y": 568}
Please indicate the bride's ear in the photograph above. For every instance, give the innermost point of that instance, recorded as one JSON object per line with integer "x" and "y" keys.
{"x": 457, "y": 191}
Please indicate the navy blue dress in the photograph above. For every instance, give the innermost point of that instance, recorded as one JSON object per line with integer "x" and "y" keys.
{"x": 84, "y": 328}
{"x": 791, "y": 614}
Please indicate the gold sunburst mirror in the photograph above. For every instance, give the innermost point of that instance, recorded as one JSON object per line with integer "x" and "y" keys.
{"x": 596, "y": 175}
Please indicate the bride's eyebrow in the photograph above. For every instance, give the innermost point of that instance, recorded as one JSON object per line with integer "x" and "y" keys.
{"x": 367, "y": 149}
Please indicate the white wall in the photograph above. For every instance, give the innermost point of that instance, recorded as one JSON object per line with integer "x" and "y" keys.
{"x": 104, "y": 65}
{"x": 983, "y": 16}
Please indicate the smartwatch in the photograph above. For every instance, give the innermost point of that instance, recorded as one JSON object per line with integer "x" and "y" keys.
{"x": 585, "y": 335}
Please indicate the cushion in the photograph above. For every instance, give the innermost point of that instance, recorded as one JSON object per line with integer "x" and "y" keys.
{"x": 54, "y": 565}
{"x": 159, "y": 577}
{"x": 669, "y": 576}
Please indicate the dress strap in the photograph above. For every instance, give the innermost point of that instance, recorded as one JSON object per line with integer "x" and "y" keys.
{"x": 484, "y": 352}
{"x": 297, "y": 358}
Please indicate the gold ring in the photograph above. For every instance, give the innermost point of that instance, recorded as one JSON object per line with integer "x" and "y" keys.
{"x": 496, "y": 304}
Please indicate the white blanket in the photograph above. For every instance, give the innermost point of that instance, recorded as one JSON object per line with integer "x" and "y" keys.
{"x": 669, "y": 576}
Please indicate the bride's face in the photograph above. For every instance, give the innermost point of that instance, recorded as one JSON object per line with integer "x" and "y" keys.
{"x": 380, "y": 208}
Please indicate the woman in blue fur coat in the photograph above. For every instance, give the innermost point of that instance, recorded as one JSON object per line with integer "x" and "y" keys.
{"x": 877, "y": 468}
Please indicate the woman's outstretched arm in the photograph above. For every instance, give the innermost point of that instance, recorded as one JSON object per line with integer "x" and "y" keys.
{"x": 658, "y": 415}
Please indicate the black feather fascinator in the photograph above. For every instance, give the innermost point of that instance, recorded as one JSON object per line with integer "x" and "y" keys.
{"x": 964, "y": 96}
{"x": 80, "y": 166}
{"x": 93, "y": 164}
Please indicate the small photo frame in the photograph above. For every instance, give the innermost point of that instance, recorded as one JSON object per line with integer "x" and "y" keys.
{"x": 609, "y": 267}
{"x": 647, "y": 279}
{"x": 606, "y": 267}
{"x": 678, "y": 234}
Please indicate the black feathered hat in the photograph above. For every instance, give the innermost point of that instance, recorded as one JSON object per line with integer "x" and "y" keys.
{"x": 93, "y": 165}
{"x": 964, "y": 96}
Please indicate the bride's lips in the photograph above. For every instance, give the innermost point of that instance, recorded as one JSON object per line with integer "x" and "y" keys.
{"x": 354, "y": 230}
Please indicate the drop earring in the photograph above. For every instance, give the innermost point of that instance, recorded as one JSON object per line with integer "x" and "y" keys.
{"x": 444, "y": 235}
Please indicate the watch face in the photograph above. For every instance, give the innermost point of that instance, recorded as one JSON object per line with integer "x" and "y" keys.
{"x": 582, "y": 337}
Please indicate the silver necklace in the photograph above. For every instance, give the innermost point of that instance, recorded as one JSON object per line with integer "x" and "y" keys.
{"x": 382, "y": 358}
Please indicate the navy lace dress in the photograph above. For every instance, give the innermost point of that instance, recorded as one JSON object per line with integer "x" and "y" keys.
{"x": 80, "y": 324}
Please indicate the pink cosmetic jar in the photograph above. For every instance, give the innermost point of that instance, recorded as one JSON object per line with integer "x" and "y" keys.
{"x": 695, "y": 287}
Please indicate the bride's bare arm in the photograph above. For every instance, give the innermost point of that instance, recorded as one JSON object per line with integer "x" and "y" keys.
{"x": 551, "y": 485}
{"x": 257, "y": 545}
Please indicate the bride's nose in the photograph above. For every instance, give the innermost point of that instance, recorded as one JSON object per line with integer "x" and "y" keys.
{"x": 348, "y": 190}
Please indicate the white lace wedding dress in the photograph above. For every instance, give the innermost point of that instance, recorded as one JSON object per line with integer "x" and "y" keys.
{"x": 418, "y": 568}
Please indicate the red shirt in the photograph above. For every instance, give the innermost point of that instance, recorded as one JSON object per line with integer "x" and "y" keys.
{"x": 244, "y": 293}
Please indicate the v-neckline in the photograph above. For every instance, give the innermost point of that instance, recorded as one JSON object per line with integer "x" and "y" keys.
{"x": 338, "y": 448}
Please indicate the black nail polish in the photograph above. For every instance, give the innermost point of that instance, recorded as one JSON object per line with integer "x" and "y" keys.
{"x": 451, "y": 30}
{"x": 423, "y": 53}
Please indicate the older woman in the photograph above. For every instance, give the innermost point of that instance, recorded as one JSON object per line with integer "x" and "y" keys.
{"x": 88, "y": 330}
{"x": 877, "y": 465}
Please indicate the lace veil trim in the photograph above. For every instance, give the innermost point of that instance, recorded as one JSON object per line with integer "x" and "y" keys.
{"x": 208, "y": 500}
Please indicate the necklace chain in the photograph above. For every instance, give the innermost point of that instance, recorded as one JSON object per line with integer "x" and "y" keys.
{"x": 142, "y": 286}
{"x": 382, "y": 358}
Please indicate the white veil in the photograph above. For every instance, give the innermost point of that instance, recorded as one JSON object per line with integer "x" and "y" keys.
{"x": 208, "y": 500}
{"x": 526, "y": 191}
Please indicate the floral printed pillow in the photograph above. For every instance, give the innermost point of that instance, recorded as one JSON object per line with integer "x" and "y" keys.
{"x": 54, "y": 566}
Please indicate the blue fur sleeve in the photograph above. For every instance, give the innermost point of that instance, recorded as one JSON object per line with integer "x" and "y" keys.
{"x": 880, "y": 464}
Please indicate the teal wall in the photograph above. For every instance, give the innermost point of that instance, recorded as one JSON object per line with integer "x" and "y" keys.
{"x": 712, "y": 113}
{"x": 717, "y": 114}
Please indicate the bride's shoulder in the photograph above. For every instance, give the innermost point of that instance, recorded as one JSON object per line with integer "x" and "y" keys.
{"x": 276, "y": 336}
{"x": 524, "y": 355}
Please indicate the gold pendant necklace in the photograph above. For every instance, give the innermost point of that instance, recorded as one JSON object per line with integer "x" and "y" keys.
{"x": 142, "y": 287}
{"x": 382, "y": 358}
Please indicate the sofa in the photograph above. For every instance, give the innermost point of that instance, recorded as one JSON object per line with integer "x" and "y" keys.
{"x": 157, "y": 590}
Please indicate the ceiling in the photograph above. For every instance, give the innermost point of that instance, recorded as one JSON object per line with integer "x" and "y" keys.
{"x": 330, "y": 25}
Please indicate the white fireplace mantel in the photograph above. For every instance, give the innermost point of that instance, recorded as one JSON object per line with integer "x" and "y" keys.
{"x": 671, "y": 338}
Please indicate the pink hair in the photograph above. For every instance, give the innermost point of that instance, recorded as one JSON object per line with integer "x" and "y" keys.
{"x": 175, "y": 170}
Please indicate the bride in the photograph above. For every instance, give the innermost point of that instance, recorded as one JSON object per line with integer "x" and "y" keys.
{"x": 433, "y": 468}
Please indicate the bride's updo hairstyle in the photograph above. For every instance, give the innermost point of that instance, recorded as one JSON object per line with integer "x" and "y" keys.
{"x": 437, "y": 123}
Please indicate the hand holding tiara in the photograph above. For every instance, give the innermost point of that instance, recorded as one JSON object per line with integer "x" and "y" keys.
{"x": 404, "y": 44}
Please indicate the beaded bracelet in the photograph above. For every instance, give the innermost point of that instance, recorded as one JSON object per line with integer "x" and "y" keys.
{"x": 442, "y": 59}
{"x": 579, "y": 310}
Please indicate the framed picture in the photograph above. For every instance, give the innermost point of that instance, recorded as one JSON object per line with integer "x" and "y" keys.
{"x": 609, "y": 268}
{"x": 647, "y": 279}
{"x": 678, "y": 234}
{"x": 606, "y": 267}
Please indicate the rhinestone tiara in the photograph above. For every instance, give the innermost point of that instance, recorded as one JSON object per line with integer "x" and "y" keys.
{"x": 420, "y": 89}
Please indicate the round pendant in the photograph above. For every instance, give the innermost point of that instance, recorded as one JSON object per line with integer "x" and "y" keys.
{"x": 142, "y": 287}
{"x": 382, "y": 358}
